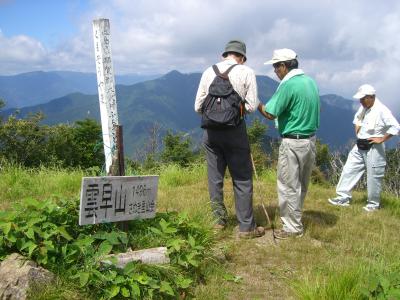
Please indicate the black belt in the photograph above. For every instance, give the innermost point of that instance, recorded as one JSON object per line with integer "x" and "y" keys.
{"x": 297, "y": 136}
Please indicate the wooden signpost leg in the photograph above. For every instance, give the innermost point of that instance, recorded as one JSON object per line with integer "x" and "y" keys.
{"x": 120, "y": 150}
{"x": 120, "y": 165}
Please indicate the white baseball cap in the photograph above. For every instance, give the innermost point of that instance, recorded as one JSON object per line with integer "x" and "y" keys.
{"x": 281, "y": 55}
{"x": 364, "y": 90}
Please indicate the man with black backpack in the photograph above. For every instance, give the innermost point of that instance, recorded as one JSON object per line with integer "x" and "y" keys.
{"x": 226, "y": 92}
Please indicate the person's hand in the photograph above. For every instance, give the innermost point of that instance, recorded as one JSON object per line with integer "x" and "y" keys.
{"x": 261, "y": 110}
{"x": 376, "y": 140}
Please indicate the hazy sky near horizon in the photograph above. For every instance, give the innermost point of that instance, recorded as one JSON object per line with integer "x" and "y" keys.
{"x": 342, "y": 44}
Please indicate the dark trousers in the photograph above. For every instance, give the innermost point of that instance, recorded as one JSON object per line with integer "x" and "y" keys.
{"x": 230, "y": 148}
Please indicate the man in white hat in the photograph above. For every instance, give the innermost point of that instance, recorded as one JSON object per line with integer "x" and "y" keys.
{"x": 229, "y": 148}
{"x": 295, "y": 106}
{"x": 374, "y": 124}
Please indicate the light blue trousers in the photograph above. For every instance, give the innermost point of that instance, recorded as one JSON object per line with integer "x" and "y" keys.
{"x": 372, "y": 160}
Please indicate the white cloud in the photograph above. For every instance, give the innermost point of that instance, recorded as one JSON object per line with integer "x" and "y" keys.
{"x": 342, "y": 44}
{"x": 22, "y": 53}
{"x": 18, "y": 51}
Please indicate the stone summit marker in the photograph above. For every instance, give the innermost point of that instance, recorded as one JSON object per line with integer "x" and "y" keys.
{"x": 113, "y": 198}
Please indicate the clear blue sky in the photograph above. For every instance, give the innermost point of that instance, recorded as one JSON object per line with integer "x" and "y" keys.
{"x": 49, "y": 21}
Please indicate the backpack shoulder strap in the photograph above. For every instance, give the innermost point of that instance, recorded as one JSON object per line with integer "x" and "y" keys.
{"x": 229, "y": 69}
{"x": 217, "y": 72}
{"x": 225, "y": 74}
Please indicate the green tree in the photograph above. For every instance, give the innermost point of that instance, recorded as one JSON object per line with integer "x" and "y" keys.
{"x": 322, "y": 156}
{"x": 257, "y": 133}
{"x": 2, "y": 103}
{"x": 88, "y": 141}
{"x": 391, "y": 182}
{"x": 322, "y": 163}
{"x": 23, "y": 140}
{"x": 177, "y": 149}
{"x": 61, "y": 146}
{"x": 79, "y": 145}
{"x": 30, "y": 143}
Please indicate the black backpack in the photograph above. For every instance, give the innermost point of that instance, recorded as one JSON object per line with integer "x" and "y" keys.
{"x": 223, "y": 107}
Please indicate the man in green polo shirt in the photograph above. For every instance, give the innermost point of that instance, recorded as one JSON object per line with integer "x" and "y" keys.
{"x": 295, "y": 108}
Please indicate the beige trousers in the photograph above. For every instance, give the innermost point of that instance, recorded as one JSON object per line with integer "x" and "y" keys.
{"x": 295, "y": 163}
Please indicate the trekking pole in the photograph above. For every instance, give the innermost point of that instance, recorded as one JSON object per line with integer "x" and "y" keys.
{"x": 254, "y": 166}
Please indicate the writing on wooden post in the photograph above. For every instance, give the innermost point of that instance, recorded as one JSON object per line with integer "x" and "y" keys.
{"x": 106, "y": 87}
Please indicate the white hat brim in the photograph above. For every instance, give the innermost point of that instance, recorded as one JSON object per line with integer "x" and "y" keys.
{"x": 359, "y": 95}
{"x": 271, "y": 62}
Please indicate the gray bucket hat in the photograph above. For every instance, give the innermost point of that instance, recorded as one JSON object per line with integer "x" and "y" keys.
{"x": 235, "y": 46}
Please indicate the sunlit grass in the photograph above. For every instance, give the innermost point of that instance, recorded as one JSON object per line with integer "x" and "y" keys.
{"x": 17, "y": 183}
{"x": 341, "y": 247}
{"x": 177, "y": 176}
{"x": 337, "y": 284}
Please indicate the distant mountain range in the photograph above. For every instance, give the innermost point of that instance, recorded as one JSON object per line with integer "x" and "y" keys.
{"x": 28, "y": 89}
{"x": 169, "y": 102}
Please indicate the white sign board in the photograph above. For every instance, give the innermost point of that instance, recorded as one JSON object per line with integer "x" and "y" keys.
{"x": 106, "y": 87}
{"x": 117, "y": 198}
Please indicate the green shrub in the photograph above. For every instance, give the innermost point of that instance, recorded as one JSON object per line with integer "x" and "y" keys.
{"x": 382, "y": 286}
{"x": 29, "y": 143}
{"x": 177, "y": 149}
{"x": 49, "y": 234}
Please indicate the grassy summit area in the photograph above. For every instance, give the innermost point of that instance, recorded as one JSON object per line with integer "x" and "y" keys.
{"x": 346, "y": 253}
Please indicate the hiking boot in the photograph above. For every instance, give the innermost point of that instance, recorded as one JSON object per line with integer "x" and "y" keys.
{"x": 255, "y": 233}
{"x": 340, "y": 201}
{"x": 370, "y": 207}
{"x": 281, "y": 234}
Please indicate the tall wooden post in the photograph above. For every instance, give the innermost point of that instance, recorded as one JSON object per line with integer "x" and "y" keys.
{"x": 116, "y": 197}
{"x": 106, "y": 89}
{"x": 120, "y": 147}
